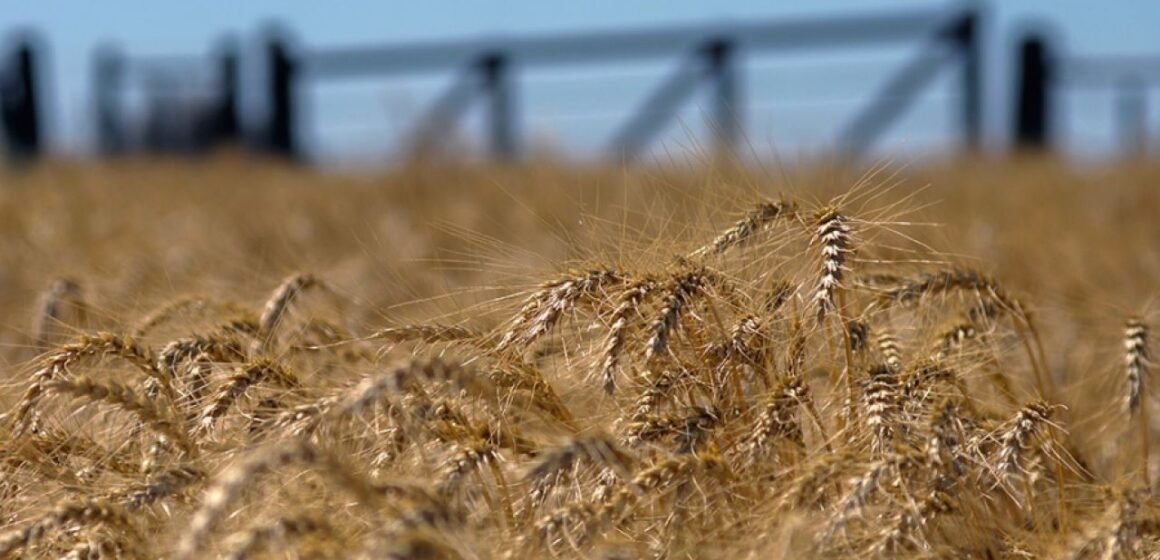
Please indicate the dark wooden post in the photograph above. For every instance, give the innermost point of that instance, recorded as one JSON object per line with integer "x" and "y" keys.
{"x": 723, "y": 70}
{"x": 1033, "y": 101}
{"x": 108, "y": 73}
{"x": 19, "y": 103}
{"x": 281, "y": 68}
{"x": 227, "y": 127}
{"x": 497, "y": 82}
{"x": 966, "y": 36}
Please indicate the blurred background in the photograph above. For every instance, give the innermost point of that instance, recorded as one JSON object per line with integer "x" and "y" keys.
{"x": 367, "y": 84}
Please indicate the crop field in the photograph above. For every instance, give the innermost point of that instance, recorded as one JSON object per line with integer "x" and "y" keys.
{"x": 241, "y": 359}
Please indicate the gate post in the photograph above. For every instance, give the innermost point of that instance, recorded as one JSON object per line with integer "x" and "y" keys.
{"x": 19, "y": 103}
{"x": 1033, "y": 98}
{"x": 281, "y": 127}
{"x": 497, "y": 83}
{"x": 723, "y": 70}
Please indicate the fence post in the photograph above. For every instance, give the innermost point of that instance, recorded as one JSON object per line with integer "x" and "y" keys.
{"x": 19, "y": 103}
{"x": 723, "y": 70}
{"x": 1033, "y": 98}
{"x": 1132, "y": 115}
{"x": 281, "y": 68}
{"x": 226, "y": 127}
{"x": 108, "y": 73}
{"x": 966, "y": 35}
{"x": 497, "y": 82}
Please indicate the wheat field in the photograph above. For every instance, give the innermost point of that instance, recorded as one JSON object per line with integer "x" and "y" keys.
{"x": 240, "y": 359}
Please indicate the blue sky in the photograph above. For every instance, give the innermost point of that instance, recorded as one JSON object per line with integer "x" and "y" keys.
{"x": 797, "y": 101}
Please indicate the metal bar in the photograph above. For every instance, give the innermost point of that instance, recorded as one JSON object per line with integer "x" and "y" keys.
{"x": 888, "y": 104}
{"x": 227, "y": 127}
{"x": 108, "y": 76}
{"x": 1132, "y": 116}
{"x": 658, "y": 109}
{"x": 1105, "y": 71}
{"x": 627, "y": 45}
{"x": 448, "y": 108}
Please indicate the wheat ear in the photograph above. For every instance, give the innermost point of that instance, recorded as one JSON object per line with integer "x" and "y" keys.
{"x": 283, "y": 528}
{"x": 119, "y": 396}
{"x": 600, "y": 449}
{"x": 86, "y": 513}
{"x": 881, "y": 399}
{"x": 545, "y": 307}
{"x": 56, "y": 363}
{"x": 228, "y": 486}
{"x": 833, "y": 235}
{"x": 761, "y": 217}
{"x": 279, "y": 303}
{"x": 778, "y": 420}
{"x": 259, "y": 371}
{"x": 161, "y": 485}
{"x": 681, "y": 290}
{"x": 630, "y": 302}
{"x": 61, "y": 292}
{"x": 1136, "y": 371}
